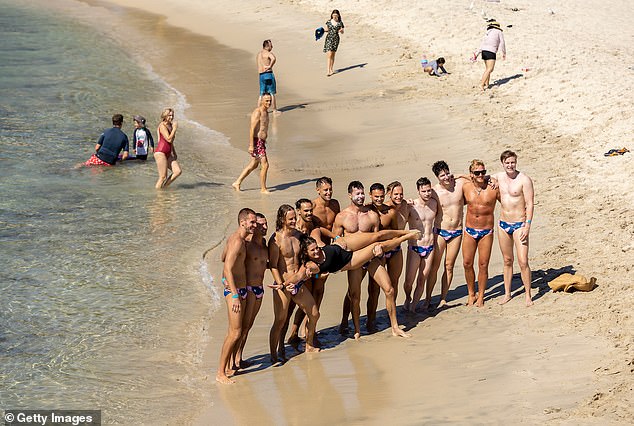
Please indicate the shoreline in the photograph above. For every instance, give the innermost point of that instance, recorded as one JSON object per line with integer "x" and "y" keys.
{"x": 401, "y": 98}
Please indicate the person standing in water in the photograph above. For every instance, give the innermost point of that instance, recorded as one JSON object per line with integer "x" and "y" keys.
{"x": 165, "y": 153}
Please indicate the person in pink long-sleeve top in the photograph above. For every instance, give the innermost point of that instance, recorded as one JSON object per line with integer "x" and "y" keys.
{"x": 492, "y": 42}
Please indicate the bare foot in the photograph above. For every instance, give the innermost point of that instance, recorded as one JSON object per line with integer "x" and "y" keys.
{"x": 471, "y": 301}
{"x": 229, "y": 372}
{"x": 264, "y": 191}
{"x": 220, "y": 378}
{"x": 408, "y": 301}
{"x": 312, "y": 348}
{"x": 371, "y": 327}
{"x": 441, "y": 305}
{"x": 397, "y": 332}
{"x": 505, "y": 300}
{"x": 529, "y": 301}
{"x": 277, "y": 112}
{"x": 245, "y": 364}
{"x": 480, "y": 302}
{"x": 357, "y": 336}
{"x": 236, "y": 186}
{"x": 316, "y": 342}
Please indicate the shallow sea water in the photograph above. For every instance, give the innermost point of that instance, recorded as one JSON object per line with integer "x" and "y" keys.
{"x": 102, "y": 281}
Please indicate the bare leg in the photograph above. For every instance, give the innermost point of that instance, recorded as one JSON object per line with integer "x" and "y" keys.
{"x": 280, "y": 309}
{"x": 355, "y": 277}
{"x": 345, "y": 314}
{"x": 484, "y": 254}
{"x": 469, "y": 246}
{"x": 525, "y": 270}
{"x": 263, "y": 171}
{"x": 453, "y": 247}
{"x": 394, "y": 268}
{"x": 411, "y": 270}
{"x": 161, "y": 165}
{"x": 359, "y": 240}
{"x": 423, "y": 275}
{"x": 289, "y": 315}
{"x": 489, "y": 65}
{"x": 176, "y": 172}
{"x": 373, "y": 303}
{"x": 506, "y": 247}
{"x": 361, "y": 256}
{"x": 251, "y": 309}
{"x": 439, "y": 249}
{"x": 305, "y": 301}
{"x": 330, "y": 55}
{"x": 233, "y": 336}
{"x": 420, "y": 283}
{"x": 253, "y": 164}
{"x": 380, "y": 275}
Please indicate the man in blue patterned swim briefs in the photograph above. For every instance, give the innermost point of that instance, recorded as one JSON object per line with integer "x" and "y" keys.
{"x": 516, "y": 214}
{"x": 480, "y": 199}
{"x": 420, "y": 254}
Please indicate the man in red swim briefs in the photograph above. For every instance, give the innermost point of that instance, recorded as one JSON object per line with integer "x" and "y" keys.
{"x": 257, "y": 144}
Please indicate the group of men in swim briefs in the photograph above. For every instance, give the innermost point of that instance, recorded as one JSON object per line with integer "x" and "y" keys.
{"x": 436, "y": 213}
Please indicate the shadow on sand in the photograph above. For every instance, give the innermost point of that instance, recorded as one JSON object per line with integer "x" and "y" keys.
{"x": 338, "y": 70}
{"x": 330, "y": 337}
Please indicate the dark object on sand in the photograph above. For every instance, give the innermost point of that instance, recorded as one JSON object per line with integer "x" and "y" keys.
{"x": 614, "y": 152}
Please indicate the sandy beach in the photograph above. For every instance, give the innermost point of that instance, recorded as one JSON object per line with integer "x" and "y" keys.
{"x": 560, "y": 100}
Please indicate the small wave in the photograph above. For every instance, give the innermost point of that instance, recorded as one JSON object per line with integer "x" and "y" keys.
{"x": 208, "y": 281}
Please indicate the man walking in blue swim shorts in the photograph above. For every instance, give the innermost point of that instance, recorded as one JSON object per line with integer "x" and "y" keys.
{"x": 265, "y": 60}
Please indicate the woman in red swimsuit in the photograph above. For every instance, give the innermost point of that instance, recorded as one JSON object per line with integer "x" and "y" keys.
{"x": 165, "y": 154}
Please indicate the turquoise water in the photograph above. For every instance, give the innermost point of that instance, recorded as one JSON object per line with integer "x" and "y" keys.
{"x": 101, "y": 276}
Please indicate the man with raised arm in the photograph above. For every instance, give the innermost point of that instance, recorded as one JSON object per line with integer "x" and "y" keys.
{"x": 480, "y": 199}
{"x": 448, "y": 229}
{"x": 517, "y": 202}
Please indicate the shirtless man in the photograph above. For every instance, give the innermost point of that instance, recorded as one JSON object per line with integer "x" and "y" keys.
{"x": 235, "y": 291}
{"x": 256, "y": 264}
{"x": 305, "y": 225}
{"x": 420, "y": 255}
{"x": 325, "y": 208}
{"x": 265, "y": 60}
{"x": 394, "y": 264}
{"x": 448, "y": 229}
{"x": 516, "y": 198}
{"x": 360, "y": 218}
{"x": 480, "y": 199}
{"x": 387, "y": 220}
{"x": 258, "y": 133}
{"x": 284, "y": 262}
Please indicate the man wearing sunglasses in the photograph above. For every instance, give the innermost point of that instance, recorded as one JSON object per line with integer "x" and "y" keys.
{"x": 480, "y": 198}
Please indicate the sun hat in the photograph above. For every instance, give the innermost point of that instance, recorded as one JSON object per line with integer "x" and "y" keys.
{"x": 492, "y": 23}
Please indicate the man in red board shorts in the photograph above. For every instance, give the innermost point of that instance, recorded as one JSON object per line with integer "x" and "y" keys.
{"x": 257, "y": 144}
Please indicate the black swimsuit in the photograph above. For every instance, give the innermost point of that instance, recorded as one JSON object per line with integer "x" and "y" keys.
{"x": 335, "y": 258}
